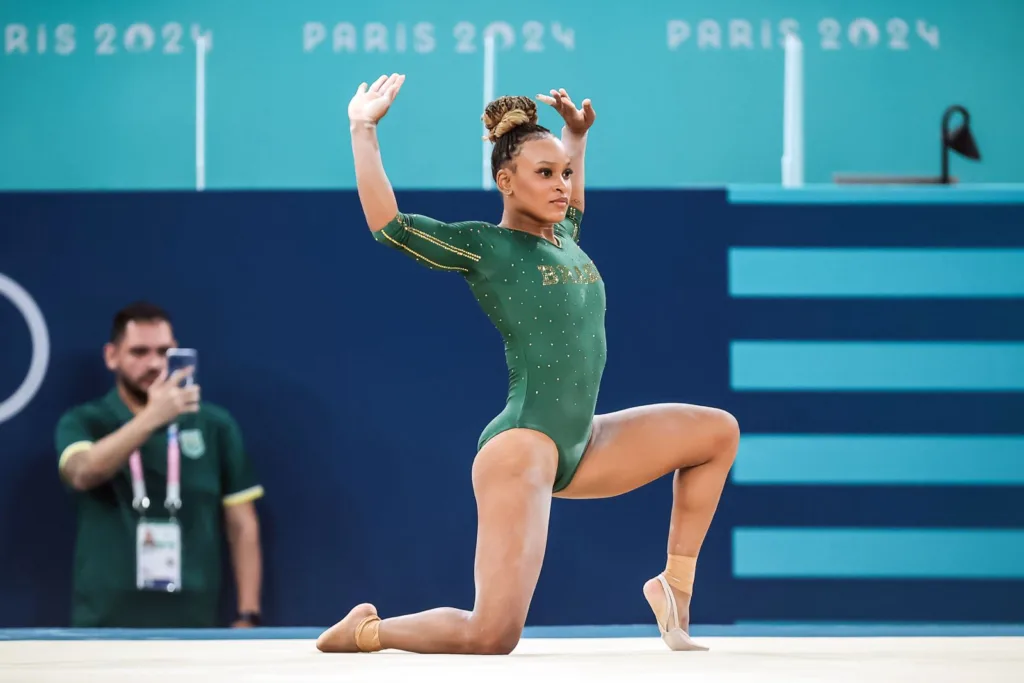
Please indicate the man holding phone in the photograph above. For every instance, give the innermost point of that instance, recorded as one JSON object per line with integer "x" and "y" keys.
{"x": 159, "y": 477}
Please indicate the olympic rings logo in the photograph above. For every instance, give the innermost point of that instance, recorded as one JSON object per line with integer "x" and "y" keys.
{"x": 26, "y": 305}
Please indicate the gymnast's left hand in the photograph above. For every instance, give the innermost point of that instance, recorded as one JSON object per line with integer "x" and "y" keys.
{"x": 578, "y": 121}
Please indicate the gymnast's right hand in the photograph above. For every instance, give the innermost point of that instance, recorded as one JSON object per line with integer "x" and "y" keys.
{"x": 371, "y": 103}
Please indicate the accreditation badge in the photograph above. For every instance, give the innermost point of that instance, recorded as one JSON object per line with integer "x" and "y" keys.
{"x": 158, "y": 556}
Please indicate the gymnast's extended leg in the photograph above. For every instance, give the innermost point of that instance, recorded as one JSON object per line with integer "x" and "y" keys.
{"x": 632, "y": 447}
{"x": 512, "y": 479}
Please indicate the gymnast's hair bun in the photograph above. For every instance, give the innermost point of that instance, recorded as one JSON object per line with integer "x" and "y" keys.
{"x": 508, "y": 113}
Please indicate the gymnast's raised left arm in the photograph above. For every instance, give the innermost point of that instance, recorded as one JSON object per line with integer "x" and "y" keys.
{"x": 576, "y": 147}
{"x": 574, "y": 137}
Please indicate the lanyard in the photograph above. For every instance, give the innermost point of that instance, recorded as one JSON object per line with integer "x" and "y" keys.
{"x": 140, "y": 501}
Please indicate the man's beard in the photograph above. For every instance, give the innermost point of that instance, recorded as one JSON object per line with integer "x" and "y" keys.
{"x": 140, "y": 395}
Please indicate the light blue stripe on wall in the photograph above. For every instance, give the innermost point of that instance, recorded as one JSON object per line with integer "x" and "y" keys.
{"x": 878, "y": 553}
{"x": 876, "y": 366}
{"x": 869, "y": 459}
{"x": 828, "y": 193}
{"x": 778, "y": 272}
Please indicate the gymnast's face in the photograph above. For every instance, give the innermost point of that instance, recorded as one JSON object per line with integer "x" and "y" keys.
{"x": 140, "y": 356}
{"x": 540, "y": 182}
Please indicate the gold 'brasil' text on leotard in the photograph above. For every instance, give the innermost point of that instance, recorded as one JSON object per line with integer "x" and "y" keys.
{"x": 547, "y": 301}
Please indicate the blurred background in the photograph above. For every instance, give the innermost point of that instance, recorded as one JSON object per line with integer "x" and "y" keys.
{"x": 869, "y": 338}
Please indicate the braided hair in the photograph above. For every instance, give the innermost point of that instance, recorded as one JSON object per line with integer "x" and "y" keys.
{"x": 511, "y": 121}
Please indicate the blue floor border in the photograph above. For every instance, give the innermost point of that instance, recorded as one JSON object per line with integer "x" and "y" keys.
{"x": 745, "y": 630}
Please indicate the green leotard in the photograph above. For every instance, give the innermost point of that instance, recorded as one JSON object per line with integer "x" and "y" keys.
{"x": 548, "y": 303}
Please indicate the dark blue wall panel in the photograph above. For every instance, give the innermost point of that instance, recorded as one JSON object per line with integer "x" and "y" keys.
{"x": 362, "y": 381}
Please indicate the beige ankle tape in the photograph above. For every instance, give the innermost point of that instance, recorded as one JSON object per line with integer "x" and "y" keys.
{"x": 680, "y": 571}
{"x": 368, "y": 634}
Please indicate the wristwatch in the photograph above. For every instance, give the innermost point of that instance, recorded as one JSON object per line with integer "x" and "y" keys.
{"x": 250, "y": 617}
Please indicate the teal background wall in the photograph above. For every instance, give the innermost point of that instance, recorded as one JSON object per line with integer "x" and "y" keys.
{"x": 100, "y": 94}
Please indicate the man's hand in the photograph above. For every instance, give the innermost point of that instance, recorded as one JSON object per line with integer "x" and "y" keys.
{"x": 168, "y": 399}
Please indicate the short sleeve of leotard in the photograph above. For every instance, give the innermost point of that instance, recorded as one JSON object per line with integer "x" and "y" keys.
{"x": 435, "y": 244}
{"x": 570, "y": 226}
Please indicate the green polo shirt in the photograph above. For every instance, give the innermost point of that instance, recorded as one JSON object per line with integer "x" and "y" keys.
{"x": 215, "y": 472}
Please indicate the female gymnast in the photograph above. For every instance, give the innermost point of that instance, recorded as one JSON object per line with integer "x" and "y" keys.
{"x": 547, "y": 299}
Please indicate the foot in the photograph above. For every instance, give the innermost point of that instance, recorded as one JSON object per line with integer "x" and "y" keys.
{"x": 342, "y": 636}
{"x": 672, "y": 611}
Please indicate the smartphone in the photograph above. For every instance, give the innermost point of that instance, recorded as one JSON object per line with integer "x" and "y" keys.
{"x": 183, "y": 358}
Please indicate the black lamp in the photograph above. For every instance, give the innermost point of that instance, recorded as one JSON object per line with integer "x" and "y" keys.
{"x": 960, "y": 140}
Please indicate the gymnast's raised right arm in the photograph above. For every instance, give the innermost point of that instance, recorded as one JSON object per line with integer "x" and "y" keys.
{"x": 367, "y": 107}
{"x": 435, "y": 244}
{"x": 375, "y": 193}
